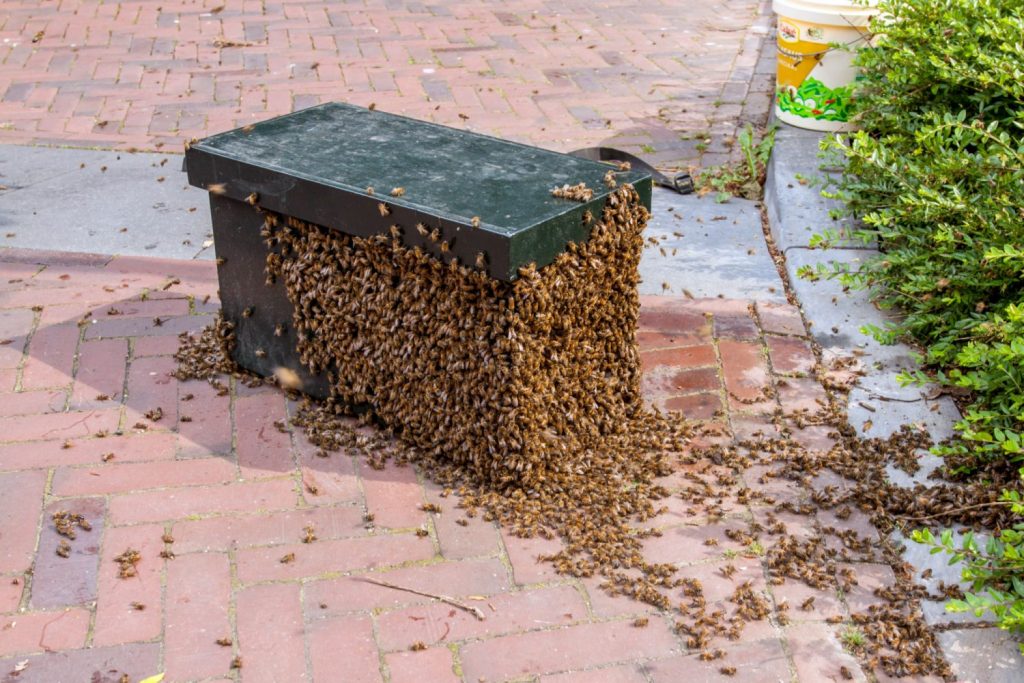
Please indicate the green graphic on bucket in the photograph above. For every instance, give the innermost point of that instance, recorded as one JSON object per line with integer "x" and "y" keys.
{"x": 815, "y": 100}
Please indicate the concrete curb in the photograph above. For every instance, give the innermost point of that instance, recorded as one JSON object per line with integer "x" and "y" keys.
{"x": 796, "y": 211}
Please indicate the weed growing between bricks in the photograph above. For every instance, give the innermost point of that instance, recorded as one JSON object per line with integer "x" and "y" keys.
{"x": 498, "y": 411}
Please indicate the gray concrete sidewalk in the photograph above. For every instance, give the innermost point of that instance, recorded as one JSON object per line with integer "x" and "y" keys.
{"x": 796, "y": 211}
{"x": 102, "y": 202}
{"x": 141, "y": 204}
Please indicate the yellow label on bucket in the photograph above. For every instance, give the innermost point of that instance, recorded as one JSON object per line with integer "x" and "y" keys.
{"x": 796, "y": 57}
{"x": 815, "y": 75}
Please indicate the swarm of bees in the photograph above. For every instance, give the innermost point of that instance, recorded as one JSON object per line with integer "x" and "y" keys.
{"x": 523, "y": 398}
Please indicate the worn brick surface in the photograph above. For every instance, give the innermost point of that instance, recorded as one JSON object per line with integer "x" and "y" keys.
{"x": 198, "y": 604}
{"x": 818, "y": 654}
{"x": 433, "y": 664}
{"x": 271, "y": 653}
{"x": 520, "y": 611}
{"x": 101, "y": 372}
{"x": 121, "y": 477}
{"x": 470, "y": 577}
{"x": 759, "y": 661}
{"x": 264, "y": 564}
{"x": 790, "y": 355}
{"x": 394, "y": 496}
{"x": 353, "y": 639}
{"x": 43, "y": 631}
{"x": 241, "y": 531}
{"x": 156, "y": 506}
{"x": 648, "y": 77}
{"x": 89, "y": 451}
{"x": 118, "y": 619}
{"x": 67, "y": 581}
{"x": 21, "y": 500}
{"x": 93, "y": 664}
{"x": 627, "y": 673}
{"x": 234, "y": 495}
{"x": 565, "y": 648}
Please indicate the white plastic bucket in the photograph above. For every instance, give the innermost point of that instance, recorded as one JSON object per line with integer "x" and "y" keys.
{"x": 814, "y": 77}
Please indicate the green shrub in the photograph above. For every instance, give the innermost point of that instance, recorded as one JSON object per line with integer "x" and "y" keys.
{"x": 936, "y": 178}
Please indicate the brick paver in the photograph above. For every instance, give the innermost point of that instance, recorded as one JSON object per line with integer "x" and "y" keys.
{"x": 670, "y": 80}
{"x": 218, "y": 508}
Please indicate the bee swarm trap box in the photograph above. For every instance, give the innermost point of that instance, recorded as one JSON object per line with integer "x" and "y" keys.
{"x": 431, "y": 274}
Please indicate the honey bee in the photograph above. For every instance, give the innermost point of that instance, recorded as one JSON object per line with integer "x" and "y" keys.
{"x": 220, "y": 262}
{"x": 396, "y": 232}
{"x": 287, "y": 559}
{"x": 417, "y": 646}
{"x": 252, "y": 199}
{"x": 422, "y": 533}
{"x": 641, "y": 622}
{"x": 225, "y": 642}
{"x": 475, "y": 221}
{"x": 369, "y": 191}
{"x": 481, "y": 260}
{"x": 309, "y": 534}
{"x": 384, "y": 209}
{"x": 397, "y": 191}
{"x": 236, "y": 663}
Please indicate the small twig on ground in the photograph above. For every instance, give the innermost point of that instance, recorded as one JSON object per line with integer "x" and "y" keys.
{"x": 475, "y": 611}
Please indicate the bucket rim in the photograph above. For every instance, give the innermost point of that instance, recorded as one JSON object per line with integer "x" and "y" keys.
{"x": 841, "y": 13}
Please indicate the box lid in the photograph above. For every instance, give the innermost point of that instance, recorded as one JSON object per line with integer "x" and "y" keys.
{"x": 319, "y": 163}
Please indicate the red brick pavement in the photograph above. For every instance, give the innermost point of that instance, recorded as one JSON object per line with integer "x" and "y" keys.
{"x": 665, "y": 78}
{"x": 233, "y": 494}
